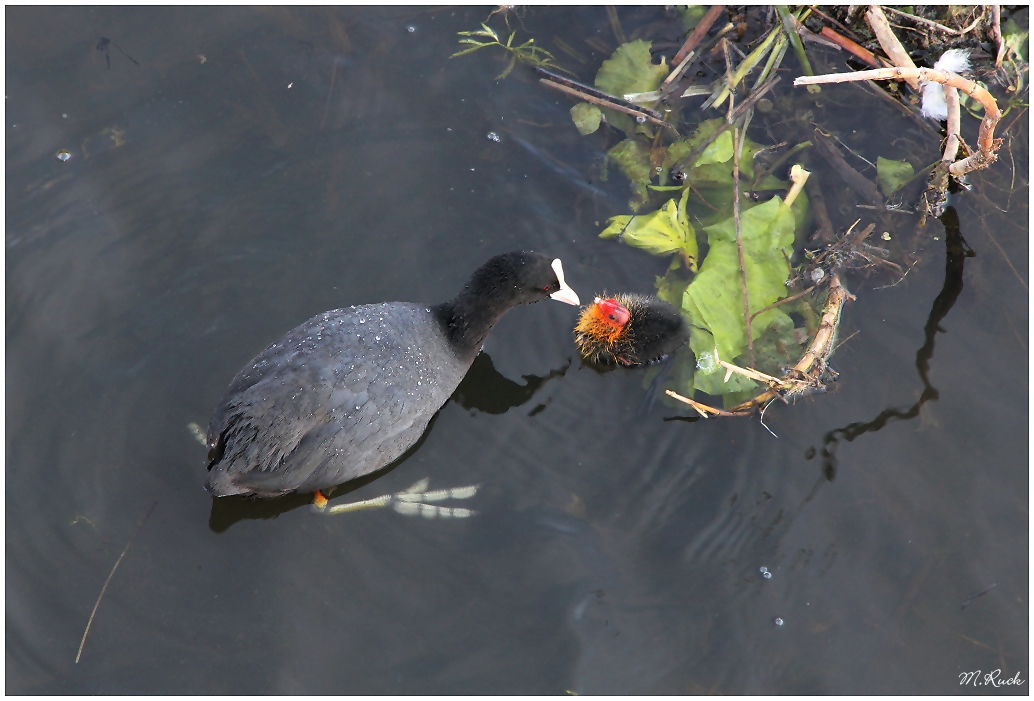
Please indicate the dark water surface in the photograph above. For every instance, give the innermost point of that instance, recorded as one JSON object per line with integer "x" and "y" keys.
{"x": 236, "y": 171}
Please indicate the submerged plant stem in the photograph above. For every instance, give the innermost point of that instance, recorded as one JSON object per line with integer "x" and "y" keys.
{"x": 108, "y": 580}
{"x": 790, "y": 28}
{"x": 731, "y": 119}
{"x": 739, "y": 239}
{"x": 615, "y": 24}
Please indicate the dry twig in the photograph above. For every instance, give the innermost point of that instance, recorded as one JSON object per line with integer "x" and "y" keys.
{"x": 922, "y": 20}
{"x": 986, "y": 143}
{"x": 889, "y": 42}
{"x": 806, "y": 377}
{"x": 996, "y": 31}
{"x": 859, "y": 52}
{"x": 698, "y": 34}
{"x": 607, "y": 102}
{"x": 951, "y": 144}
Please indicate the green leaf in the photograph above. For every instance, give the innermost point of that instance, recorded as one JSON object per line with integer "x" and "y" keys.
{"x": 776, "y": 347}
{"x": 586, "y": 117}
{"x": 509, "y": 67}
{"x": 470, "y": 50}
{"x": 714, "y": 300}
{"x": 690, "y": 15}
{"x": 1015, "y": 38}
{"x": 892, "y": 175}
{"x": 662, "y": 232}
{"x": 671, "y": 286}
{"x": 718, "y": 152}
{"x": 710, "y": 376}
{"x": 633, "y": 159}
{"x": 630, "y": 69}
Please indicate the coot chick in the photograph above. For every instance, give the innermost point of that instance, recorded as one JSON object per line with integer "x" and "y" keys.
{"x": 629, "y": 329}
{"x": 350, "y": 390}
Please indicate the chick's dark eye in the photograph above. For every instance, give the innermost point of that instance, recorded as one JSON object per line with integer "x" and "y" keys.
{"x": 612, "y": 317}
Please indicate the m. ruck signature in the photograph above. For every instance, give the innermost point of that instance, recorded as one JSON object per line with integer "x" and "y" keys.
{"x": 978, "y": 678}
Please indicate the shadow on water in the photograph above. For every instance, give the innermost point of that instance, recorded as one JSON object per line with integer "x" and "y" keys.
{"x": 483, "y": 389}
{"x": 957, "y": 253}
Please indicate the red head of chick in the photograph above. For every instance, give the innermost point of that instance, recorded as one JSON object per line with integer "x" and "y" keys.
{"x": 629, "y": 329}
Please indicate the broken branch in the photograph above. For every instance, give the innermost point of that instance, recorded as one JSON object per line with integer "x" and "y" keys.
{"x": 698, "y": 34}
{"x": 922, "y": 20}
{"x": 859, "y": 52}
{"x": 606, "y": 103}
{"x": 986, "y": 143}
{"x": 889, "y": 42}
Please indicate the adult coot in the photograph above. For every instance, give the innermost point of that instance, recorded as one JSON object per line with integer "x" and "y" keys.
{"x": 629, "y": 329}
{"x": 350, "y": 390}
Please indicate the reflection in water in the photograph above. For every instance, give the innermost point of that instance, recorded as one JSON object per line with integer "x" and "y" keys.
{"x": 486, "y": 390}
{"x": 483, "y": 389}
{"x": 957, "y": 253}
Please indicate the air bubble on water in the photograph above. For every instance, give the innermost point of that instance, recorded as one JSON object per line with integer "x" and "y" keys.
{"x": 410, "y": 29}
{"x": 492, "y": 136}
{"x": 766, "y": 575}
{"x": 778, "y": 621}
{"x": 640, "y": 119}
{"x": 706, "y": 362}
{"x": 63, "y": 155}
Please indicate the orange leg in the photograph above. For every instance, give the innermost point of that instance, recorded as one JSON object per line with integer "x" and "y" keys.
{"x": 318, "y": 500}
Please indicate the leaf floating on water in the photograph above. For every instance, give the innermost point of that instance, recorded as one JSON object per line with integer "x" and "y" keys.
{"x": 892, "y": 175}
{"x": 586, "y": 117}
{"x": 665, "y": 231}
{"x": 713, "y": 300}
{"x": 630, "y": 69}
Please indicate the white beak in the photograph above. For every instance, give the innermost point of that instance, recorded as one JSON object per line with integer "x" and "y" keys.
{"x": 565, "y": 294}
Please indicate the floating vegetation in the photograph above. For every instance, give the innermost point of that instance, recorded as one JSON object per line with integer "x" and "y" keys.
{"x": 525, "y": 53}
{"x": 754, "y": 263}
